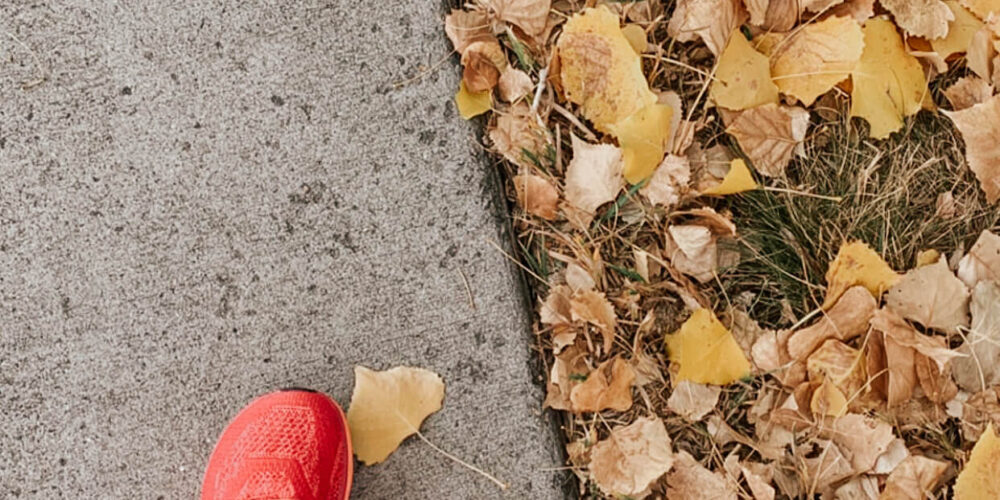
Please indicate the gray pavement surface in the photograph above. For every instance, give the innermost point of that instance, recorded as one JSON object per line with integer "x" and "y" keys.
{"x": 204, "y": 201}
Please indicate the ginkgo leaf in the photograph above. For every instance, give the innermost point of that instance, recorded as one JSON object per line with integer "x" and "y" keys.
{"x": 915, "y": 477}
{"x": 668, "y": 182}
{"x": 632, "y": 458}
{"x": 536, "y": 195}
{"x": 769, "y": 134}
{"x": 518, "y": 136}
{"x": 593, "y": 178}
{"x": 979, "y": 479}
{"x": 608, "y": 387}
{"x": 932, "y": 296}
{"x": 711, "y": 20}
{"x": 981, "y": 8}
{"x": 982, "y": 263}
{"x": 980, "y": 128}
{"x": 389, "y": 406}
{"x": 471, "y": 104}
{"x": 981, "y": 368}
{"x": 706, "y": 352}
{"x": 529, "y": 15}
{"x": 924, "y": 18}
{"x": 737, "y": 180}
{"x": 960, "y": 31}
{"x": 692, "y": 400}
{"x": 465, "y": 27}
{"x": 857, "y": 264}
{"x": 816, "y": 57}
{"x": 643, "y": 138}
{"x": 888, "y": 82}
{"x": 690, "y": 479}
{"x": 742, "y": 77}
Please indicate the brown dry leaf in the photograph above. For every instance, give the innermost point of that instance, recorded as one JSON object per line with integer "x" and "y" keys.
{"x": 981, "y": 8}
{"x": 857, "y": 264}
{"x": 555, "y": 310}
{"x": 482, "y": 63}
{"x": 839, "y": 365}
{"x": 742, "y": 77}
{"x": 935, "y": 381}
{"x": 827, "y": 400}
{"x": 960, "y": 31}
{"x": 692, "y": 250}
{"x": 968, "y": 91}
{"x": 517, "y": 131}
{"x": 861, "y": 439}
{"x": 536, "y": 196}
{"x": 706, "y": 352}
{"x": 593, "y": 178}
{"x": 669, "y": 181}
{"x": 981, "y": 368}
{"x": 608, "y": 387}
{"x": 514, "y": 84}
{"x": 529, "y": 15}
{"x": 847, "y": 319}
{"x": 982, "y": 263}
{"x": 578, "y": 278}
{"x": 632, "y": 458}
{"x": 892, "y": 357}
{"x": 861, "y": 10}
{"x": 769, "y": 134}
{"x": 823, "y": 465}
{"x": 711, "y": 20}
{"x": 980, "y": 53}
{"x": 816, "y": 57}
{"x": 905, "y": 335}
{"x": 913, "y": 479}
{"x": 858, "y": 488}
{"x": 758, "y": 477}
{"x": 567, "y": 368}
{"x": 757, "y": 10}
{"x": 932, "y": 296}
{"x": 892, "y": 457}
{"x": 692, "y": 481}
{"x": 466, "y": 27}
{"x": 979, "y": 478}
{"x": 389, "y": 406}
{"x": 692, "y": 400}
{"x": 980, "y": 128}
{"x": 594, "y": 308}
{"x": 924, "y": 18}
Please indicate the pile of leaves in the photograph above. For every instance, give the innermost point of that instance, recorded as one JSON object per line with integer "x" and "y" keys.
{"x": 760, "y": 234}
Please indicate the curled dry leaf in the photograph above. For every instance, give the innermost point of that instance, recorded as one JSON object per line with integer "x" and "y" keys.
{"x": 529, "y": 15}
{"x": 981, "y": 368}
{"x": 536, "y": 195}
{"x": 827, "y": 400}
{"x": 737, "y": 180}
{"x": 924, "y": 18}
{"x": 982, "y": 263}
{"x": 594, "y": 308}
{"x": 706, "y": 352}
{"x": 482, "y": 63}
{"x": 568, "y": 368}
{"x": 466, "y": 27}
{"x": 608, "y": 387}
{"x": 389, "y": 406}
{"x": 892, "y": 356}
{"x": 514, "y": 84}
{"x": 693, "y": 400}
{"x": 758, "y": 477}
{"x": 858, "y": 488}
{"x": 914, "y": 478}
{"x": 518, "y": 135}
{"x": 817, "y": 57}
{"x": 847, "y": 319}
{"x": 769, "y": 134}
{"x": 980, "y": 128}
{"x": 979, "y": 478}
{"x": 888, "y": 82}
{"x": 669, "y": 181}
{"x": 935, "y": 380}
{"x": 593, "y": 178}
{"x": 932, "y": 296}
{"x": 555, "y": 310}
{"x": 968, "y": 91}
{"x": 632, "y": 458}
{"x": 905, "y": 335}
{"x": 711, "y": 20}
{"x": 857, "y": 264}
{"x": 960, "y": 31}
{"x": 690, "y": 480}
{"x": 742, "y": 77}
{"x": 692, "y": 250}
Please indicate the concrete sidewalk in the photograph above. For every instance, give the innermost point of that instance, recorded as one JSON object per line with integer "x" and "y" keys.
{"x": 204, "y": 201}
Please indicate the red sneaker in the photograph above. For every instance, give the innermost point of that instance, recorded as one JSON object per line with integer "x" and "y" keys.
{"x": 291, "y": 444}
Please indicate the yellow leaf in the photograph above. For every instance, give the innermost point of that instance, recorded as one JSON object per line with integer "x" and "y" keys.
{"x": 818, "y": 56}
{"x": 472, "y": 104}
{"x": 857, "y": 264}
{"x": 981, "y": 8}
{"x": 828, "y": 400}
{"x": 389, "y": 406}
{"x": 979, "y": 478}
{"x": 737, "y": 180}
{"x": 643, "y": 137}
{"x": 636, "y": 37}
{"x": 706, "y": 351}
{"x": 960, "y": 31}
{"x": 889, "y": 83}
{"x": 742, "y": 77}
{"x": 927, "y": 257}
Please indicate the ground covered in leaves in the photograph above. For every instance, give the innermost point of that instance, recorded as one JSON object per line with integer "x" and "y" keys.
{"x": 761, "y": 235}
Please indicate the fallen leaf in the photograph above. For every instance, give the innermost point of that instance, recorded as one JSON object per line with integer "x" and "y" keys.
{"x": 894, "y": 455}
{"x": 737, "y": 180}
{"x": 846, "y": 319}
{"x": 935, "y": 380}
{"x": 758, "y": 478}
{"x": 978, "y": 411}
{"x": 643, "y": 138}
{"x": 980, "y": 53}
{"x": 706, "y": 352}
{"x": 840, "y": 366}
{"x": 594, "y": 308}
{"x": 888, "y": 82}
{"x": 742, "y": 77}
{"x": 827, "y": 400}
{"x": 514, "y": 84}
{"x": 982, "y": 263}
{"x": 555, "y": 310}
{"x": 823, "y": 465}
{"x": 518, "y": 136}
{"x": 608, "y": 387}
{"x": 861, "y": 439}
{"x": 932, "y": 296}
{"x": 711, "y": 20}
{"x": 471, "y": 104}
{"x": 857, "y": 264}
{"x": 960, "y": 31}
{"x": 389, "y": 406}
{"x": 769, "y": 134}
{"x": 924, "y": 18}
{"x": 905, "y": 335}
{"x": 860, "y": 10}
{"x": 636, "y": 37}
{"x": 979, "y": 479}
{"x": 980, "y": 128}
{"x": 593, "y": 178}
{"x": 858, "y": 488}
{"x": 757, "y": 10}
{"x": 981, "y": 8}
{"x": 816, "y": 57}
{"x": 466, "y": 27}
{"x": 981, "y": 368}
{"x": 482, "y": 63}
{"x": 692, "y": 250}
{"x": 578, "y": 278}
{"x": 692, "y": 481}
{"x": 693, "y": 400}
{"x": 968, "y": 91}
{"x": 536, "y": 196}
{"x": 632, "y": 458}
{"x": 529, "y": 15}
{"x": 913, "y": 479}
{"x": 568, "y": 367}
{"x": 668, "y": 182}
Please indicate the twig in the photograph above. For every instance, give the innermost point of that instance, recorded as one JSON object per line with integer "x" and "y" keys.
{"x": 468, "y": 289}
{"x": 487, "y": 475}
{"x": 575, "y": 121}
{"x": 837, "y": 199}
